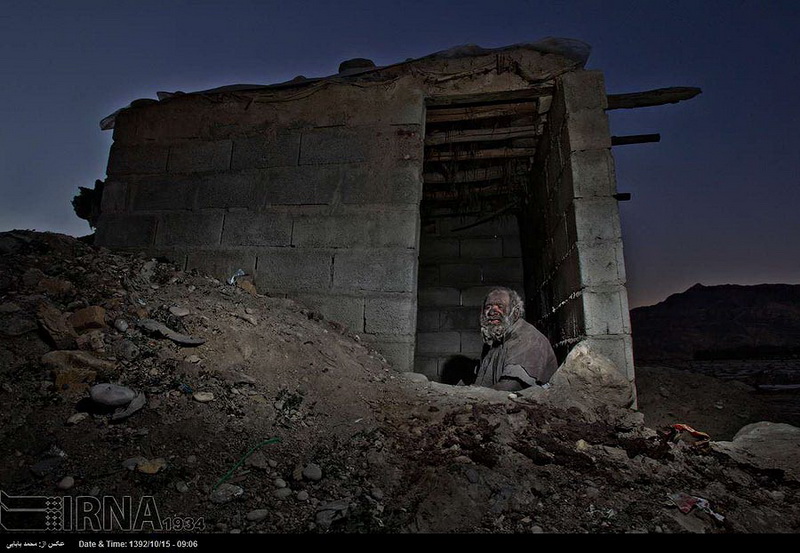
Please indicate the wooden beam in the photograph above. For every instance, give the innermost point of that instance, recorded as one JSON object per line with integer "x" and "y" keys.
{"x": 480, "y": 135}
{"x": 657, "y": 97}
{"x": 494, "y": 153}
{"x": 634, "y": 139}
{"x": 525, "y": 94}
{"x": 473, "y": 113}
{"x": 478, "y": 174}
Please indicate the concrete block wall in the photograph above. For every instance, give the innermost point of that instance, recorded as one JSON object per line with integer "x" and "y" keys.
{"x": 317, "y": 196}
{"x": 456, "y": 271}
{"x": 571, "y": 236}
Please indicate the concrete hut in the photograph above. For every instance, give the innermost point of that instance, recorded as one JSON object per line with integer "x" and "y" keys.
{"x": 391, "y": 198}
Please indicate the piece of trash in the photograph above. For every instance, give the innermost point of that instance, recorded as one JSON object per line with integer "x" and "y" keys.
{"x": 237, "y": 274}
{"x": 135, "y": 405}
{"x": 185, "y": 388}
{"x": 686, "y": 503}
{"x": 151, "y": 466}
{"x": 162, "y": 330}
{"x": 686, "y": 434}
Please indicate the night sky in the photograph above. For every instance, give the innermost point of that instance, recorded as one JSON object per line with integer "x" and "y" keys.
{"x": 714, "y": 202}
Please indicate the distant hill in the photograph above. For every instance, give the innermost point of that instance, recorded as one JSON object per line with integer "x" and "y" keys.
{"x": 720, "y": 322}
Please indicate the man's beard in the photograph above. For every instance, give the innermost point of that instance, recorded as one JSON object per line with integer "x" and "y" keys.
{"x": 494, "y": 333}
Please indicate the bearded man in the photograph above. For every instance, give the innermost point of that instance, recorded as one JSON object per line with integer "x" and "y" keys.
{"x": 515, "y": 354}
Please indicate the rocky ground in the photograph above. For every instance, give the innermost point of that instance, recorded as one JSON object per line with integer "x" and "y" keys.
{"x": 248, "y": 413}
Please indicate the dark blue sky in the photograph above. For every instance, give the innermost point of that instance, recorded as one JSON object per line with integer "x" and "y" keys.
{"x": 715, "y": 202}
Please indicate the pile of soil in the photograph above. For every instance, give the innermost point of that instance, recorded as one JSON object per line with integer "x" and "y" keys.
{"x": 261, "y": 416}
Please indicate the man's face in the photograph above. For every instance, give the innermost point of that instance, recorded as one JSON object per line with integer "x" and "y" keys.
{"x": 496, "y": 317}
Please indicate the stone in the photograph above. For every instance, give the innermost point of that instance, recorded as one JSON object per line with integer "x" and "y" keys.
{"x": 302, "y": 495}
{"x": 249, "y": 318}
{"x": 330, "y": 512}
{"x": 125, "y": 349}
{"x": 57, "y": 327}
{"x": 257, "y": 515}
{"x": 282, "y": 493}
{"x": 472, "y": 475}
{"x": 121, "y": 325}
{"x": 111, "y": 395}
{"x": 181, "y": 486}
{"x": 179, "y": 311}
{"x": 279, "y": 483}
{"x": 72, "y": 381}
{"x": 226, "y": 493}
{"x": 590, "y": 382}
{"x": 203, "y": 397}
{"x": 257, "y": 460}
{"x": 66, "y": 483}
{"x": 56, "y": 287}
{"x": 767, "y": 446}
{"x": 536, "y": 529}
{"x": 152, "y": 466}
{"x": 69, "y": 359}
{"x": 17, "y": 325}
{"x": 93, "y": 316}
{"x": 91, "y": 341}
{"x": 133, "y": 462}
{"x": 312, "y": 472}
{"x": 9, "y": 307}
{"x": 377, "y": 494}
{"x": 413, "y": 377}
{"x": 76, "y": 418}
{"x": 192, "y": 359}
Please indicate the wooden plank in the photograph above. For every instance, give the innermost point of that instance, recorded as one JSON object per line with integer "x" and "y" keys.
{"x": 525, "y": 94}
{"x": 480, "y": 135}
{"x": 635, "y": 139}
{"x": 491, "y": 153}
{"x": 657, "y": 97}
{"x": 474, "y": 113}
{"x": 478, "y": 174}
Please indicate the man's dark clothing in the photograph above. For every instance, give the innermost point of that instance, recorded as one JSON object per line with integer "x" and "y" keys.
{"x": 524, "y": 354}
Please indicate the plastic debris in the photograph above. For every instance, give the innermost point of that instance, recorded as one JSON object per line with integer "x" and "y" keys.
{"x": 685, "y": 434}
{"x": 686, "y": 503}
{"x": 237, "y": 274}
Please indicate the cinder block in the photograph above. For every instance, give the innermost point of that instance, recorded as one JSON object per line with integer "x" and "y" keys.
{"x": 121, "y": 230}
{"x": 227, "y": 190}
{"x": 221, "y": 264}
{"x": 588, "y": 130}
{"x": 460, "y": 318}
{"x": 125, "y": 127}
{"x": 162, "y": 193}
{"x": 471, "y": 343}
{"x": 473, "y": 248}
{"x": 439, "y": 297}
{"x": 115, "y": 197}
{"x": 360, "y": 144}
{"x": 474, "y": 296}
{"x": 290, "y": 269}
{"x": 313, "y": 185}
{"x": 276, "y": 150}
{"x": 595, "y": 220}
{"x": 399, "y": 183}
{"x": 378, "y": 229}
{"x": 262, "y": 228}
{"x": 139, "y": 159}
{"x": 592, "y": 173}
{"x": 199, "y": 156}
{"x": 189, "y": 229}
{"x": 584, "y": 90}
{"x": 379, "y": 270}
{"x": 602, "y": 311}
{"x": 428, "y": 275}
{"x": 438, "y": 342}
{"x": 616, "y": 348}
{"x": 511, "y": 247}
{"x": 347, "y": 310}
{"x": 428, "y": 320}
{"x": 400, "y": 355}
{"x": 460, "y": 274}
{"x": 439, "y": 249}
{"x": 429, "y": 366}
{"x": 502, "y": 270}
{"x": 391, "y": 314}
{"x": 601, "y": 263}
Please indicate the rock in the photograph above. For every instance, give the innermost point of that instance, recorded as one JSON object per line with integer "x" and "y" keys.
{"x": 76, "y": 359}
{"x": 17, "y": 325}
{"x": 203, "y": 397}
{"x": 272, "y": 463}
{"x": 133, "y": 462}
{"x": 249, "y": 310}
{"x": 111, "y": 395}
{"x": 257, "y": 515}
{"x": 93, "y": 316}
{"x": 312, "y": 472}
{"x": 592, "y": 492}
{"x": 66, "y": 483}
{"x": 56, "y": 326}
{"x": 125, "y": 349}
{"x": 302, "y": 495}
{"x": 282, "y": 493}
{"x": 765, "y": 445}
{"x": 413, "y": 377}
{"x": 179, "y": 311}
{"x": 73, "y": 381}
{"x": 152, "y": 466}
{"x": 247, "y": 286}
{"x": 226, "y": 493}
{"x": 590, "y": 382}
{"x": 472, "y": 475}
{"x": 9, "y": 307}
{"x": 121, "y": 325}
{"x": 536, "y": 529}
{"x": 330, "y": 512}
{"x": 91, "y": 341}
{"x": 159, "y": 329}
{"x": 377, "y": 494}
{"x": 192, "y": 359}
{"x": 257, "y": 460}
{"x": 56, "y": 287}
{"x": 279, "y": 483}
{"x": 181, "y": 486}
{"x": 76, "y": 418}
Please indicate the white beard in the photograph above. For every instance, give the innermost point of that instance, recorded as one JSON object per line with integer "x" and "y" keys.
{"x": 495, "y": 333}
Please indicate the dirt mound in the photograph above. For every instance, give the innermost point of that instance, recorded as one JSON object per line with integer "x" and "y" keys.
{"x": 260, "y": 416}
